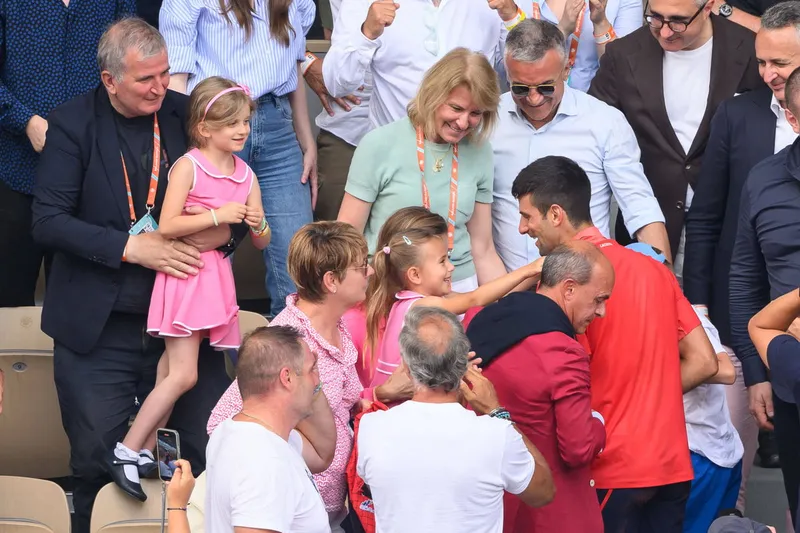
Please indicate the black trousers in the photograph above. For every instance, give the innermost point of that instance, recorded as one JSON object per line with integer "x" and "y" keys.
{"x": 646, "y": 510}
{"x": 100, "y": 391}
{"x": 787, "y": 436}
{"x": 20, "y": 257}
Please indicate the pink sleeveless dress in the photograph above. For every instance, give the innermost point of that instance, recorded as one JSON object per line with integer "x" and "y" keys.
{"x": 388, "y": 358}
{"x": 207, "y": 301}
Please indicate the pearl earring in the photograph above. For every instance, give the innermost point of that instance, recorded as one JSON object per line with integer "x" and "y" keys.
{"x": 334, "y": 290}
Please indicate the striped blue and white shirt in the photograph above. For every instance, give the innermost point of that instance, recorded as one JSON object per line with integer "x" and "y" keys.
{"x": 202, "y": 43}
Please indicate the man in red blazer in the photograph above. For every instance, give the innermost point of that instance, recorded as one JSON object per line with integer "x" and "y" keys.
{"x": 541, "y": 375}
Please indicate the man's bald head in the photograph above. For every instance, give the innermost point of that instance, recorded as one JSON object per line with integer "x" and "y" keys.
{"x": 578, "y": 277}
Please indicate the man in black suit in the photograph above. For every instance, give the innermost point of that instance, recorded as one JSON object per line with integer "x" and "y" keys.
{"x": 102, "y": 276}
{"x": 765, "y": 265}
{"x": 745, "y": 130}
{"x": 668, "y": 79}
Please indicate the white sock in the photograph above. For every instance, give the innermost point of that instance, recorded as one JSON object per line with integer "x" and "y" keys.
{"x": 126, "y": 454}
{"x": 145, "y": 457}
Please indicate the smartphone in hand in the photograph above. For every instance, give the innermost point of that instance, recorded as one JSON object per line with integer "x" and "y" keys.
{"x": 168, "y": 450}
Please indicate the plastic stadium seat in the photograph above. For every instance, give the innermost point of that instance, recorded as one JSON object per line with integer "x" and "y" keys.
{"x": 30, "y": 505}
{"x": 116, "y": 512}
{"x": 33, "y": 440}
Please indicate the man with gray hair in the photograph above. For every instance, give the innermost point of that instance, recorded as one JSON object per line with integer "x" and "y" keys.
{"x": 431, "y": 464}
{"x": 260, "y": 461}
{"x": 528, "y": 345}
{"x": 543, "y": 116}
{"x": 745, "y": 130}
{"x": 99, "y": 186}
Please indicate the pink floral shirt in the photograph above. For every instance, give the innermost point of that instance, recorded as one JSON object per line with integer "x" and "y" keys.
{"x": 341, "y": 386}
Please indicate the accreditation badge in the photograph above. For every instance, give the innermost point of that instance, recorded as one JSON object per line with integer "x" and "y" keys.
{"x": 146, "y": 224}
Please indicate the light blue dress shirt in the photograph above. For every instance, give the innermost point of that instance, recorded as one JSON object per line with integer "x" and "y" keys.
{"x": 202, "y": 43}
{"x": 624, "y": 15}
{"x": 591, "y": 133}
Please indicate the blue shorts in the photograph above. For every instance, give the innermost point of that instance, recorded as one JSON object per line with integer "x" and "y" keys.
{"x": 713, "y": 489}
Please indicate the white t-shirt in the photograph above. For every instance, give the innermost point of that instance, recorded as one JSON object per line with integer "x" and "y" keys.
{"x": 439, "y": 467}
{"x": 256, "y": 479}
{"x": 708, "y": 420}
{"x": 687, "y": 78}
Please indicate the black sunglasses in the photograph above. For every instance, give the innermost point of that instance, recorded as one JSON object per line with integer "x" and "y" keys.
{"x": 677, "y": 26}
{"x": 546, "y": 90}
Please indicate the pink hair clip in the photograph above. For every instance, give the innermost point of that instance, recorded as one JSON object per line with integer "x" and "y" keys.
{"x": 386, "y": 250}
{"x": 239, "y": 87}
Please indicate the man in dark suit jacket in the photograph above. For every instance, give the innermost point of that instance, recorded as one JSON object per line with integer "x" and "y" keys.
{"x": 765, "y": 265}
{"x": 671, "y": 114}
{"x": 102, "y": 276}
{"x": 744, "y": 131}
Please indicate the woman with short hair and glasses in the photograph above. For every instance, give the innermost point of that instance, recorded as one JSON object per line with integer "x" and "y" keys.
{"x": 437, "y": 157}
{"x": 328, "y": 263}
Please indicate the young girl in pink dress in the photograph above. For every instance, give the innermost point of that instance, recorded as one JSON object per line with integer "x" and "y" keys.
{"x": 412, "y": 268}
{"x": 185, "y": 311}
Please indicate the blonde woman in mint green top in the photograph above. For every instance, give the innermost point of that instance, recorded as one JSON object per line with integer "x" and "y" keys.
{"x": 456, "y": 105}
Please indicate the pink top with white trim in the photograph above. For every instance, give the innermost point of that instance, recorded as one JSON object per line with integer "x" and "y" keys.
{"x": 341, "y": 386}
{"x": 389, "y": 355}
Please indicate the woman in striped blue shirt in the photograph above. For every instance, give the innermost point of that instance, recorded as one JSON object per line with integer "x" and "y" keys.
{"x": 258, "y": 43}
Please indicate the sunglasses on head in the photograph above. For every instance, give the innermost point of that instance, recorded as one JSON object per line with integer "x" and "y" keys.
{"x": 546, "y": 90}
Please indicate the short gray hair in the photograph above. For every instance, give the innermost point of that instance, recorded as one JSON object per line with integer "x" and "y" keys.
{"x": 566, "y": 262}
{"x": 782, "y": 15}
{"x": 434, "y": 347}
{"x": 531, "y": 39}
{"x": 263, "y": 354}
{"x": 130, "y": 32}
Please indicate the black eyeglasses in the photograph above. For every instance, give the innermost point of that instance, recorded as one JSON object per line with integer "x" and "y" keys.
{"x": 546, "y": 90}
{"x": 677, "y": 26}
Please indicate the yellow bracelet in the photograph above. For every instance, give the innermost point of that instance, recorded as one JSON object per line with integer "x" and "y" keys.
{"x": 519, "y": 17}
{"x": 264, "y": 231}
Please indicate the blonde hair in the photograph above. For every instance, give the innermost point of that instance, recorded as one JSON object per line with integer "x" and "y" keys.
{"x": 320, "y": 247}
{"x": 460, "y": 67}
{"x": 414, "y": 225}
{"x": 222, "y": 113}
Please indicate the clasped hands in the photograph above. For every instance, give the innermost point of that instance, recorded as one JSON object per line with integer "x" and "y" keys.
{"x": 180, "y": 258}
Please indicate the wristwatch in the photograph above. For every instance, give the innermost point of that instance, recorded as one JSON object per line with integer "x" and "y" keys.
{"x": 230, "y": 247}
{"x": 726, "y": 10}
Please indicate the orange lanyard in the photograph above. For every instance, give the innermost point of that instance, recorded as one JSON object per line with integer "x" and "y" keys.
{"x": 426, "y": 197}
{"x": 151, "y": 193}
{"x": 574, "y": 38}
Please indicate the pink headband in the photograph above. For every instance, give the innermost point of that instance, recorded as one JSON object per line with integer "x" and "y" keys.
{"x": 242, "y": 88}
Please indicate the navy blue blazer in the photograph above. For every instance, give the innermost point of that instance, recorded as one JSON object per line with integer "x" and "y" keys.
{"x": 80, "y": 211}
{"x": 766, "y": 255}
{"x": 742, "y": 135}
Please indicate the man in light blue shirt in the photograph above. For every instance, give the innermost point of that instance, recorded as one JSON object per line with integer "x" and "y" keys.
{"x": 543, "y": 116}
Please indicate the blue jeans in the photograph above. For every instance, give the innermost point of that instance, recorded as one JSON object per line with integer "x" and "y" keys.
{"x": 274, "y": 154}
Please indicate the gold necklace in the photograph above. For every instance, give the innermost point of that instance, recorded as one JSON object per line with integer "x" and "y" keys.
{"x": 438, "y": 164}
{"x": 259, "y": 421}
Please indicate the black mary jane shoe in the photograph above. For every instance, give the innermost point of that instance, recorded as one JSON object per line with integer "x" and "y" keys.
{"x": 116, "y": 468}
{"x": 148, "y": 470}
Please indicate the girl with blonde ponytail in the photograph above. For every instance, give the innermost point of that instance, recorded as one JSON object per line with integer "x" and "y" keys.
{"x": 412, "y": 268}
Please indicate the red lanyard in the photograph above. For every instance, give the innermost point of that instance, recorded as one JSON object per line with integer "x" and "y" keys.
{"x": 151, "y": 193}
{"x": 426, "y": 197}
{"x": 574, "y": 38}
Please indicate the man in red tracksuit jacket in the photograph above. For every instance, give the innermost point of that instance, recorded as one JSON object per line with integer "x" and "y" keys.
{"x": 541, "y": 375}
